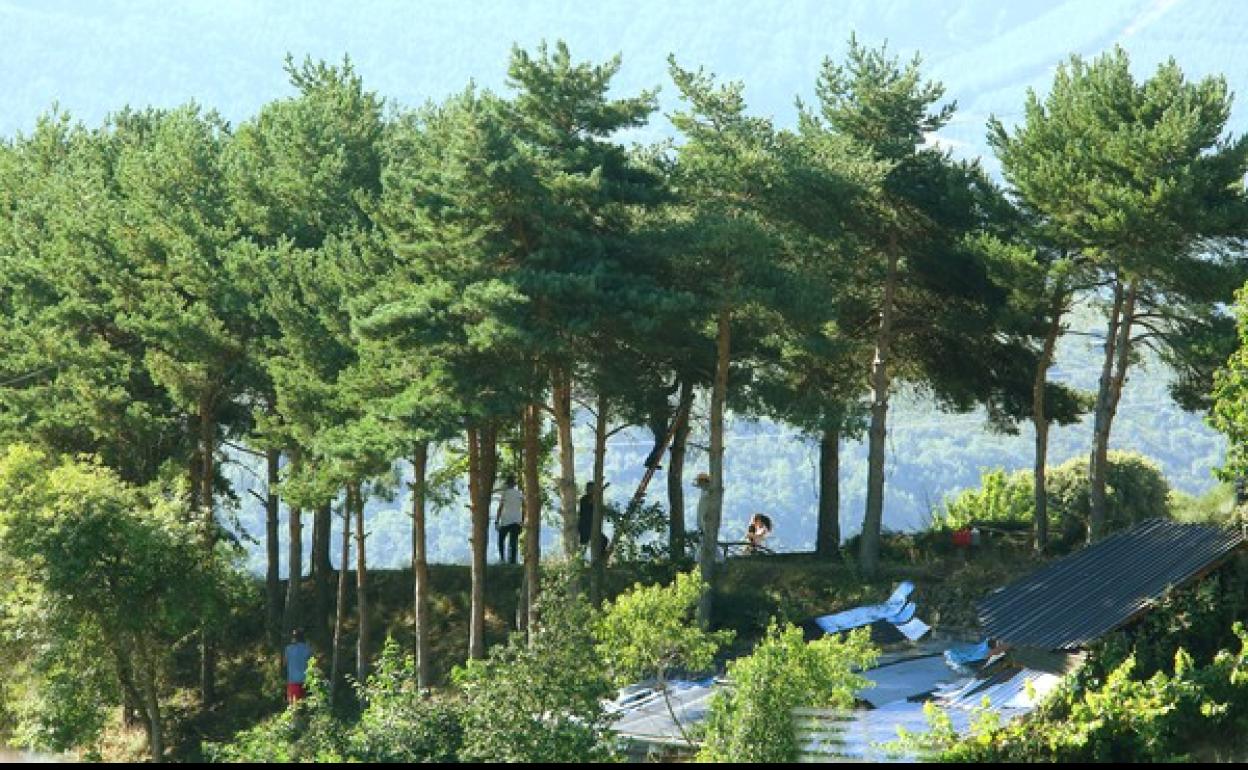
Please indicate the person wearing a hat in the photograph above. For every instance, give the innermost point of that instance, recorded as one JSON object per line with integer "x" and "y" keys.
{"x": 703, "y": 482}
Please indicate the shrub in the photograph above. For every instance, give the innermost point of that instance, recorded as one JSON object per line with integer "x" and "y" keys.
{"x": 402, "y": 723}
{"x": 539, "y": 700}
{"x": 1000, "y": 498}
{"x": 650, "y": 631}
{"x": 751, "y": 721}
{"x": 1135, "y": 490}
{"x": 308, "y": 731}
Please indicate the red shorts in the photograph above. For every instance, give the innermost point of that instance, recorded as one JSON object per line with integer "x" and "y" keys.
{"x": 294, "y": 692}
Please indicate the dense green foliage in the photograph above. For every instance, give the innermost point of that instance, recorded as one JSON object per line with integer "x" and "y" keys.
{"x": 751, "y": 720}
{"x": 343, "y": 287}
{"x": 648, "y": 632}
{"x": 540, "y": 700}
{"x": 1137, "y": 491}
{"x": 101, "y": 579}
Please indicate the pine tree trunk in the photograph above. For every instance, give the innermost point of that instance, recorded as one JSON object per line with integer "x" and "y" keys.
{"x": 532, "y": 513}
{"x": 828, "y": 539}
{"x": 562, "y": 408}
{"x": 294, "y": 557}
{"x": 340, "y": 608}
{"x": 676, "y": 474}
{"x": 1113, "y": 377}
{"x": 420, "y": 565}
{"x": 294, "y": 575}
{"x": 322, "y": 525}
{"x": 272, "y": 577}
{"x": 1040, "y": 420}
{"x": 322, "y": 570}
{"x": 710, "y": 528}
{"x": 207, "y": 449}
{"x": 481, "y": 466}
{"x": 196, "y": 467}
{"x": 873, "y": 517}
{"x": 361, "y": 589}
{"x": 597, "y": 558}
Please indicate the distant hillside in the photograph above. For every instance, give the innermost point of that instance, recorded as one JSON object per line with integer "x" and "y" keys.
{"x": 94, "y": 57}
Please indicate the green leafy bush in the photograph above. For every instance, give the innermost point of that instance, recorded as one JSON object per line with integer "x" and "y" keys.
{"x": 1000, "y": 498}
{"x": 539, "y": 700}
{"x": 751, "y": 721}
{"x": 1136, "y": 490}
{"x": 307, "y": 731}
{"x": 402, "y": 723}
{"x": 650, "y": 630}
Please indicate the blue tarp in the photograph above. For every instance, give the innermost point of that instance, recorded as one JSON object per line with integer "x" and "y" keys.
{"x": 898, "y": 610}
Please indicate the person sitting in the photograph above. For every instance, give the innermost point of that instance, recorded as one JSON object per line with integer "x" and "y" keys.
{"x": 757, "y": 532}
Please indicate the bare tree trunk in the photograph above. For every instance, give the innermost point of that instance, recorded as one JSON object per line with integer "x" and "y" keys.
{"x": 1113, "y": 377}
{"x": 420, "y": 565}
{"x": 294, "y": 557}
{"x": 481, "y": 466}
{"x": 361, "y": 589}
{"x": 272, "y": 577}
{"x": 597, "y": 557}
{"x": 873, "y": 517}
{"x": 562, "y": 403}
{"x": 676, "y": 474}
{"x": 710, "y": 527}
{"x": 532, "y": 513}
{"x": 340, "y": 609}
{"x": 828, "y": 537}
{"x": 1040, "y": 420}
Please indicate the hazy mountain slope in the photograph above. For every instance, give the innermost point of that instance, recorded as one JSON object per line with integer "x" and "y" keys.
{"x": 95, "y": 57}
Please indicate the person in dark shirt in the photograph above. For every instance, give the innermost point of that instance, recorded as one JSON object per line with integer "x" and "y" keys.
{"x": 585, "y": 516}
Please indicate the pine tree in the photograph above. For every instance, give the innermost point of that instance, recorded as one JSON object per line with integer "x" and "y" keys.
{"x": 1138, "y": 179}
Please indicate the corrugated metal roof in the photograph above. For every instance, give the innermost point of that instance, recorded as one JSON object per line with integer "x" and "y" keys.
{"x": 1074, "y": 600}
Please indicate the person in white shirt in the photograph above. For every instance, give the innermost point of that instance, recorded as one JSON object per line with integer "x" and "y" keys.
{"x": 703, "y": 482}
{"x": 509, "y": 519}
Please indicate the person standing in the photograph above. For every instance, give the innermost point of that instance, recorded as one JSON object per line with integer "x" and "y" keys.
{"x": 295, "y": 659}
{"x": 509, "y": 518}
{"x": 585, "y": 517}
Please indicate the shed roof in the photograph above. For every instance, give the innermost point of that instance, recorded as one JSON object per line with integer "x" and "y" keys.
{"x": 1074, "y": 600}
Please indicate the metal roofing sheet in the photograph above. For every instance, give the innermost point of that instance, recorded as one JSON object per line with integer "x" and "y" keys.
{"x": 1074, "y": 600}
{"x": 906, "y": 678}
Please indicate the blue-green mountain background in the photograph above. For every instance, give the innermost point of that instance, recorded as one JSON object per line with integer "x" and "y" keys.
{"x": 94, "y": 57}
